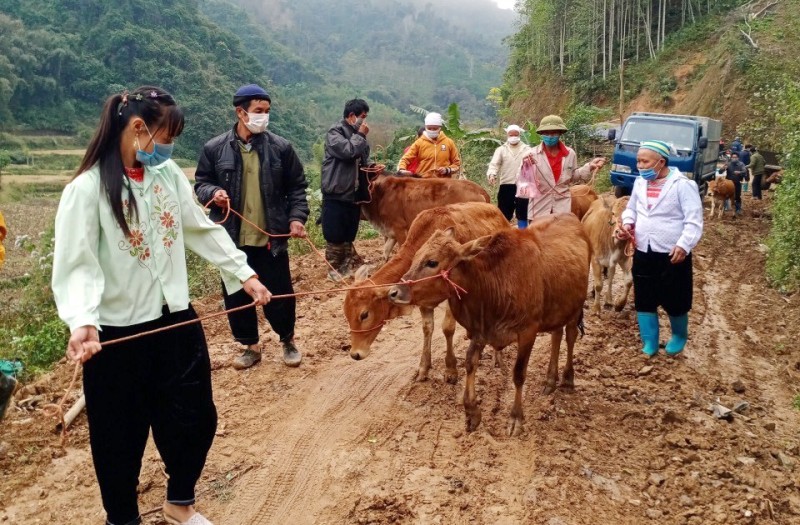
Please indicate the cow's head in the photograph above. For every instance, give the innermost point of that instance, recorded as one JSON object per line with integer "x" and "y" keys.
{"x": 441, "y": 252}
{"x": 366, "y": 311}
{"x": 712, "y": 187}
{"x": 616, "y": 213}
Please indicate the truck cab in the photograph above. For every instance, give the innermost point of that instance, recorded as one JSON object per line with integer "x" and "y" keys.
{"x": 695, "y": 140}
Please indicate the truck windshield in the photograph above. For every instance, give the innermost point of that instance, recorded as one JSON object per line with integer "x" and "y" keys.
{"x": 680, "y": 136}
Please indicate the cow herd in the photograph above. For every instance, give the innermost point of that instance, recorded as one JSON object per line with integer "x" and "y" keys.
{"x": 502, "y": 284}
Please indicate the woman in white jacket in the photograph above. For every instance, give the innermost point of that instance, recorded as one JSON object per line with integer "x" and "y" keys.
{"x": 665, "y": 217}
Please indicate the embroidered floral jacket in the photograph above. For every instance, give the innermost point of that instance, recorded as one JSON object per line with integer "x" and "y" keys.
{"x": 102, "y": 277}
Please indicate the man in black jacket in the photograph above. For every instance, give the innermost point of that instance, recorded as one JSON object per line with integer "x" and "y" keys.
{"x": 736, "y": 172}
{"x": 260, "y": 176}
{"x": 344, "y": 185}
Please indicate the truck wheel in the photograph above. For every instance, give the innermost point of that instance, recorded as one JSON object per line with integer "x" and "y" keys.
{"x": 621, "y": 191}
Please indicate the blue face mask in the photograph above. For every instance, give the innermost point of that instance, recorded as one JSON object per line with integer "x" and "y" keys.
{"x": 550, "y": 140}
{"x": 648, "y": 174}
{"x": 161, "y": 152}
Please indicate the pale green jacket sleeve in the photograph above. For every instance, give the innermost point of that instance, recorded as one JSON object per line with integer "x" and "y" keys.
{"x": 78, "y": 280}
{"x": 210, "y": 241}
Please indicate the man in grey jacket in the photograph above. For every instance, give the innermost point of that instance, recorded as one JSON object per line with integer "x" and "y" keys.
{"x": 344, "y": 185}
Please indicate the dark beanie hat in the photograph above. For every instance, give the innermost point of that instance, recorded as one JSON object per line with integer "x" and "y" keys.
{"x": 250, "y": 92}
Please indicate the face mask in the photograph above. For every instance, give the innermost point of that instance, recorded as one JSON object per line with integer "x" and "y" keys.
{"x": 513, "y": 140}
{"x": 358, "y": 122}
{"x": 161, "y": 152}
{"x": 649, "y": 173}
{"x": 257, "y": 122}
{"x": 550, "y": 140}
{"x": 433, "y": 135}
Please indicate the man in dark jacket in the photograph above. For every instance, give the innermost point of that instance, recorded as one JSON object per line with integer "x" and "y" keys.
{"x": 344, "y": 185}
{"x": 757, "y": 168}
{"x": 736, "y": 172}
{"x": 260, "y": 176}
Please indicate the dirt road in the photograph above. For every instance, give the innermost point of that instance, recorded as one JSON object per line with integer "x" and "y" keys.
{"x": 338, "y": 441}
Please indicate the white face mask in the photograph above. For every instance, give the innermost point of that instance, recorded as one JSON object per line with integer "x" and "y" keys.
{"x": 257, "y": 122}
{"x": 513, "y": 140}
{"x": 433, "y": 135}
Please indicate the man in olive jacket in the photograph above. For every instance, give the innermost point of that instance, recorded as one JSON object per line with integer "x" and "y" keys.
{"x": 344, "y": 185}
{"x": 260, "y": 176}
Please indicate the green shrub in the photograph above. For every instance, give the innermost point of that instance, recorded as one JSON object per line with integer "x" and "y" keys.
{"x": 30, "y": 330}
{"x": 783, "y": 258}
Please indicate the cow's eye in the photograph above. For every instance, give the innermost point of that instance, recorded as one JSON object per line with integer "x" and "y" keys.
{"x": 430, "y": 263}
{"x": 364, "y": 314}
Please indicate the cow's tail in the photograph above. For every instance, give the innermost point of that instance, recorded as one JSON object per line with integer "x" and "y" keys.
{"x": 581, "y": 326}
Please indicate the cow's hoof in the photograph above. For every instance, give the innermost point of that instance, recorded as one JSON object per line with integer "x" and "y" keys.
{"x": 422, "y": 375}
{"x": 515, "y": 426}
{"x": 548, "y": 389}
{"x": 567, "y": 385}
{"x": 473, "y": 419}
{"x": 451, "y": 376}
{"x": 619, "y": 307}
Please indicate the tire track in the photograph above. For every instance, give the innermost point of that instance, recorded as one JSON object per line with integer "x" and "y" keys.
{"x": 341, "y": 406}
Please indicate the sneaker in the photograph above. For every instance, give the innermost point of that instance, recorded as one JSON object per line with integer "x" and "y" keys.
{"x": 247, "y": 359}
{"x": 291, "y": 355}
{"x": 7, "y": 386}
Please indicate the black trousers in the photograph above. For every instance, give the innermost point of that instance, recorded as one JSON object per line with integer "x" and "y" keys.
{"x": 340, "y": 221}
{"x": 273, "y": 271}
{"x": 160, "y": 382}
{"x": 757, "y": 185}
{"x": 509, "y": 204}
{"x": 658, "y": 282}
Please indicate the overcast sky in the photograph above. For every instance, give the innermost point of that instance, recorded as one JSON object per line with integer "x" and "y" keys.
{"x": 505, "y": 4}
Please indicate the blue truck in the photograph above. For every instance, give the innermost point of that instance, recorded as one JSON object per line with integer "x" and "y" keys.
{"x": 695, "y": 139}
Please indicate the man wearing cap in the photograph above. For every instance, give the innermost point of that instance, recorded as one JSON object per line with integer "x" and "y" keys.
{"x": 258, "y": 174}
{"x": 435, "y": 152}
{"x": 554, "y": 166}
{"x": 505, "y": 165}
{"x": 665, "y": 218}
{"x": 344, "y": 185}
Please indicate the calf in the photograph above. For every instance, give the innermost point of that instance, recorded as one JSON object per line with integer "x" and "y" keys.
{"x": 518, "y": 283}
{"x": 395, "y": 202}
{"x": 600, "y": 223}
{"x": 368, "y": 309}
{"x": 720, "y": 190}
{"x": 582, "y": 197}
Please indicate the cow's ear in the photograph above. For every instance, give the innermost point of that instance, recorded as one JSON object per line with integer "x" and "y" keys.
{"x": 450, "y": 232}
{"x": 362, "y": 274}
{"x": 399, "y": 310}
{"x": 472, "y": 248}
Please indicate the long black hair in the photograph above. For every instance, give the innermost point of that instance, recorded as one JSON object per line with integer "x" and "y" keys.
{"x": 158, "y": 110}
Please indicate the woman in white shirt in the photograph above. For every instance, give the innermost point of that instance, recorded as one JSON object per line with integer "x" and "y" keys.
{"x": 665, "y": 217}
{"x": 119, "y": 269}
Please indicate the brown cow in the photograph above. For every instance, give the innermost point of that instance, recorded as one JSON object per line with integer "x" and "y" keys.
{"x": 582, "y": 197}
{"x": 368, "y": 309}
{"x": 600, "y": 223}
{"x": 518, "y": 283}
{"x": 396, "y": 201}
{"x": 720, "y": 190}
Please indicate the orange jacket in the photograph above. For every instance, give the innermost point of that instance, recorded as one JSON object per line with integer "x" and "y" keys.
{"x": 432, "y": 155}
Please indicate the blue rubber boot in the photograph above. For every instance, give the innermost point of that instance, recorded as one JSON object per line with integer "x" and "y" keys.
{"x": 680, "y": 332}
{"x": 522, "y": 224}
{"x": 648, "y": 330}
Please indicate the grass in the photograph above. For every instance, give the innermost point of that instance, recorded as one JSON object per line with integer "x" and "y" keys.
{"x": 796, "y": 402}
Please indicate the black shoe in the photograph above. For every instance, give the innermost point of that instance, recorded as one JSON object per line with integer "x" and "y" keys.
{"x": 291, "y": 355}
{"x": 7, "y": 386}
